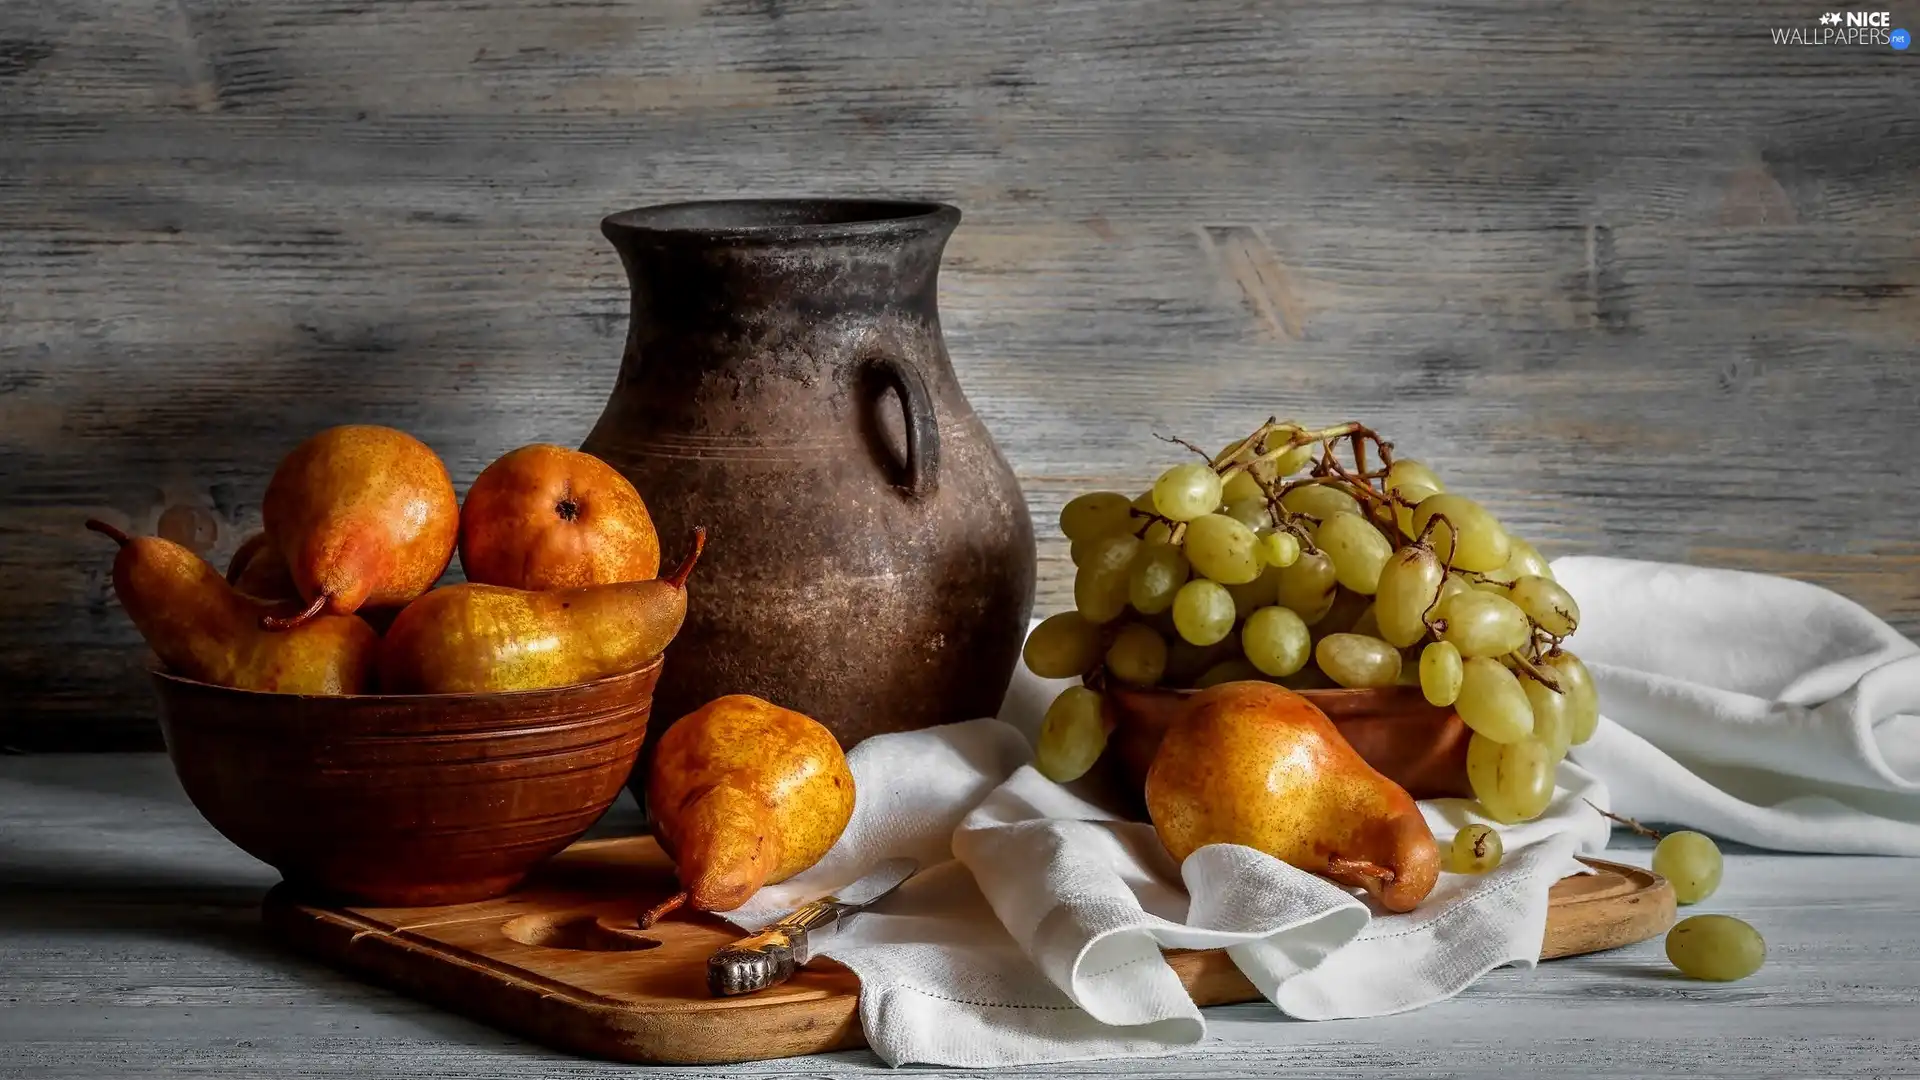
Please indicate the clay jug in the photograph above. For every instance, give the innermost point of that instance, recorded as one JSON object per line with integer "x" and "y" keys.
{"x": 870, "y": 558}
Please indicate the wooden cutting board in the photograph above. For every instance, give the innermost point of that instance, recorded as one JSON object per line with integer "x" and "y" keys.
{"x": 539, "y": 963}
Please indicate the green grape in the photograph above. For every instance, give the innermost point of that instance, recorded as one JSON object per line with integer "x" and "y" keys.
{"x": 1257, "y": 593}
{"x": 1409, "y": 585}
{"x": 1358, "y": 662}
{"x": 1203, "y": 611}
{"x": 1100, "y": 597}
{"x": 1691, "y": 862}
{"x": 1440, "y": 673}
{"x": 1308, "y": 586}
{"x": 1308, "y": 678}
{"x": 1295, "y": 458}
{"x": 1719, "y": 948}
{"x": 1221, "y": 548}
{"x": 1143, "y": 503}
{"x": 1277, "y": 547}
{"x": 1240, "y": 487}
{"x": 1319, "y": 501}
{"x": 1450, "y": 588}
{"x": 1482, "y": 544}
{"x": 1583, "y": 698}
{"x": 1185, "y": 660}
{"x": 1482, "y": 624}
{"x": 1357, "y": 549}
{"x": 1547, "y": 603}
{"x": 1524, "y": 559}
{"x": 1235, "y": 670}
{"x": 1095, "y": 514}
{"x": 1138, "y": 655}
{"x": 1410, "y": 482}
{"x": 1187, "y": 491}
{"x": 1158, "y": 571}
{"x": 1110, "y": 554}
{"x": 1276, "y": 641}
{"x": 1368, "y": 623}
{"x": 1492, "y": 703}
{"x": 1552, "y": 719}
{"x": 1344, "y": 615}
{"x": 1072, "y": 735}
{"x": 1158, "y": 532}
{"x": 1250, "y": 512}
{"x": 1513, "y": 781}
{"x": 1476, "y": 849}
{"x": 1062, "y": 646}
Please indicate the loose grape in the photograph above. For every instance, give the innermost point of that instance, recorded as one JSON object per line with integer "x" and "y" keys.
{"x": 1476, "y": 849}
{"x": 1258, "y": 593}
{"x": 1547, "y": 603}
{"x": 1236, "y": 670}
{"x": 1583, "y": 698}
{"x": 1072, "y": 735}
{"x": 1062, "y": 646}
{"x": 1203, "y": 611}
{"x": 1187, "y": 491}
{"x": 1095, "y": 514}
{"x": 1482, "y": 544}
{"x": 1409, "y": 585}
{"x": 1276, "y": 641}
{"x": 1240, "y": 487}
{"x": 1357, "y": 662}
{"x": 1308, "y": 586}
{"x": 1250, "y": 512}
{"x": 1277, "y": 547}
{"x": 1524, "y": 559}
{"x": 1357, "y": 549}
{"x": 1321, "y": 501}
{"x": 1719, "y": 948}
{"x": 1691, "y": 862}
{"x": 1482, "y": 624}
{"x": 1440, "y": 673}
{"x": 1552, "y": 718}
{"x": 1158, "y": 571}
{"x": 1513, "y": 781}
{"x": 1222, "y": 549}
{"x": 1492, "y": 703}
{"x": 1098, "y": 596}
{"x": 1138, "y": 655}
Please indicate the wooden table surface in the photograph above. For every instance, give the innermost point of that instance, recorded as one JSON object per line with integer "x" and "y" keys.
{"x": 130, "y": 943}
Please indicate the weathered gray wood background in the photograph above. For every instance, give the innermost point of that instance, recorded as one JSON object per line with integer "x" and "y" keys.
{"x": 1641, "y": 279}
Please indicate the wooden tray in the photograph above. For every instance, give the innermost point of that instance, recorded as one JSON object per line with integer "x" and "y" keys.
{"x": 538, "y": 963}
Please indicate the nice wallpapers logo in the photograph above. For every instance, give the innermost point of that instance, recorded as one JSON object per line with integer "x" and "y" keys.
{"x": 1847, "y": 28}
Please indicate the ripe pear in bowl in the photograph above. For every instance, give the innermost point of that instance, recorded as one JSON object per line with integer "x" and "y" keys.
{"x": 1256, "y": 764}
{"x": 546, "y": 517}
{"x": 744, "y": 793}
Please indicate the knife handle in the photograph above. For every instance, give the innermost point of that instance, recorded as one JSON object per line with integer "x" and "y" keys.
{"x": 771, "y": 956}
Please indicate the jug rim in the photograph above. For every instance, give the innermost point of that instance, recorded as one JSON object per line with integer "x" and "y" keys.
{"x": 780, "y": 219}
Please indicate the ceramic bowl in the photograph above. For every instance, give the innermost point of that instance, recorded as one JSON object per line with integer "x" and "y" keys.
{"x": 405, "y": 800}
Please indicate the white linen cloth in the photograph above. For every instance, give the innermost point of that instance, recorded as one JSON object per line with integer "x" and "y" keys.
{"x": 1755, "y": 708}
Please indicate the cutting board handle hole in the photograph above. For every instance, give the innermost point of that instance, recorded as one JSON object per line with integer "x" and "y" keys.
{"x": 581, "y": 933}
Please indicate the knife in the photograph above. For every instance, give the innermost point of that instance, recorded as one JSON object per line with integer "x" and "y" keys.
{"x": 770, "y": 957}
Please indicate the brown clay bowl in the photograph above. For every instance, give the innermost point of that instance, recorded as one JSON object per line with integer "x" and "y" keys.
{"x": 1421, "y": 747}
{"x": 405, "y": 800}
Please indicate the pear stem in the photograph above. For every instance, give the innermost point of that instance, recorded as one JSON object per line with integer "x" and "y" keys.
{"x": 1371, "y": 876}
{"x": 289, "y": 622}
{"x": 104, "y": 529}
{"x": 678, "y": 579}
{"x": 661, "y": 910}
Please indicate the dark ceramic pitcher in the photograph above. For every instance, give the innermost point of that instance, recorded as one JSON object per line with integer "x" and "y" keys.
{"x": 870, "y": 558}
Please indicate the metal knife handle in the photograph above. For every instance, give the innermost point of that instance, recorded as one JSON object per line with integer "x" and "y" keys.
{"x": 771, "y": 956}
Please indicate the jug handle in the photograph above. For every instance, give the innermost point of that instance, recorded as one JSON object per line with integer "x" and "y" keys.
{"x": 923, "y": 434}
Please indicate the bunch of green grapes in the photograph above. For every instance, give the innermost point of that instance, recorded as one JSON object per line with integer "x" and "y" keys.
{"x": 1292, "y": 557}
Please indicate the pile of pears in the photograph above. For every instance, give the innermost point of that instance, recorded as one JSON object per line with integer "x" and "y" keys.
{"x": 361, "y": 521}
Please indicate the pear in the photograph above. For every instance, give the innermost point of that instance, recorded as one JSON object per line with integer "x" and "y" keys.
{"x": 258, "y": 570}
{"x": 202, "y": 628}
{"x": 744, "y": 793}
{"x": 363, "y": 516}
{"x": 1256, "y": 764}
{"x": 472, "y": 639}
{"x": 546, "y": 517}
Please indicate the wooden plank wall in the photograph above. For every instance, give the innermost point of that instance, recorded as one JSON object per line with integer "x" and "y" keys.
{"x": 1638, "y": 277}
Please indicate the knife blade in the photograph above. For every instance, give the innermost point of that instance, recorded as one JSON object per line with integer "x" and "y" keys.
{"x": 771, "y": 956}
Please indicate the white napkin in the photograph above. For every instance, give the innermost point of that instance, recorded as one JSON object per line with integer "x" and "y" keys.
{"x": 1034, "y": 933}
{"x": 1756, "y": 708}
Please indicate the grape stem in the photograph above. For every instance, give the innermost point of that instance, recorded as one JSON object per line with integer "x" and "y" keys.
{"x": 1627, "y": 821}
{"x": 1177, "y": 441}
{"x": 1537, "y": 673}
